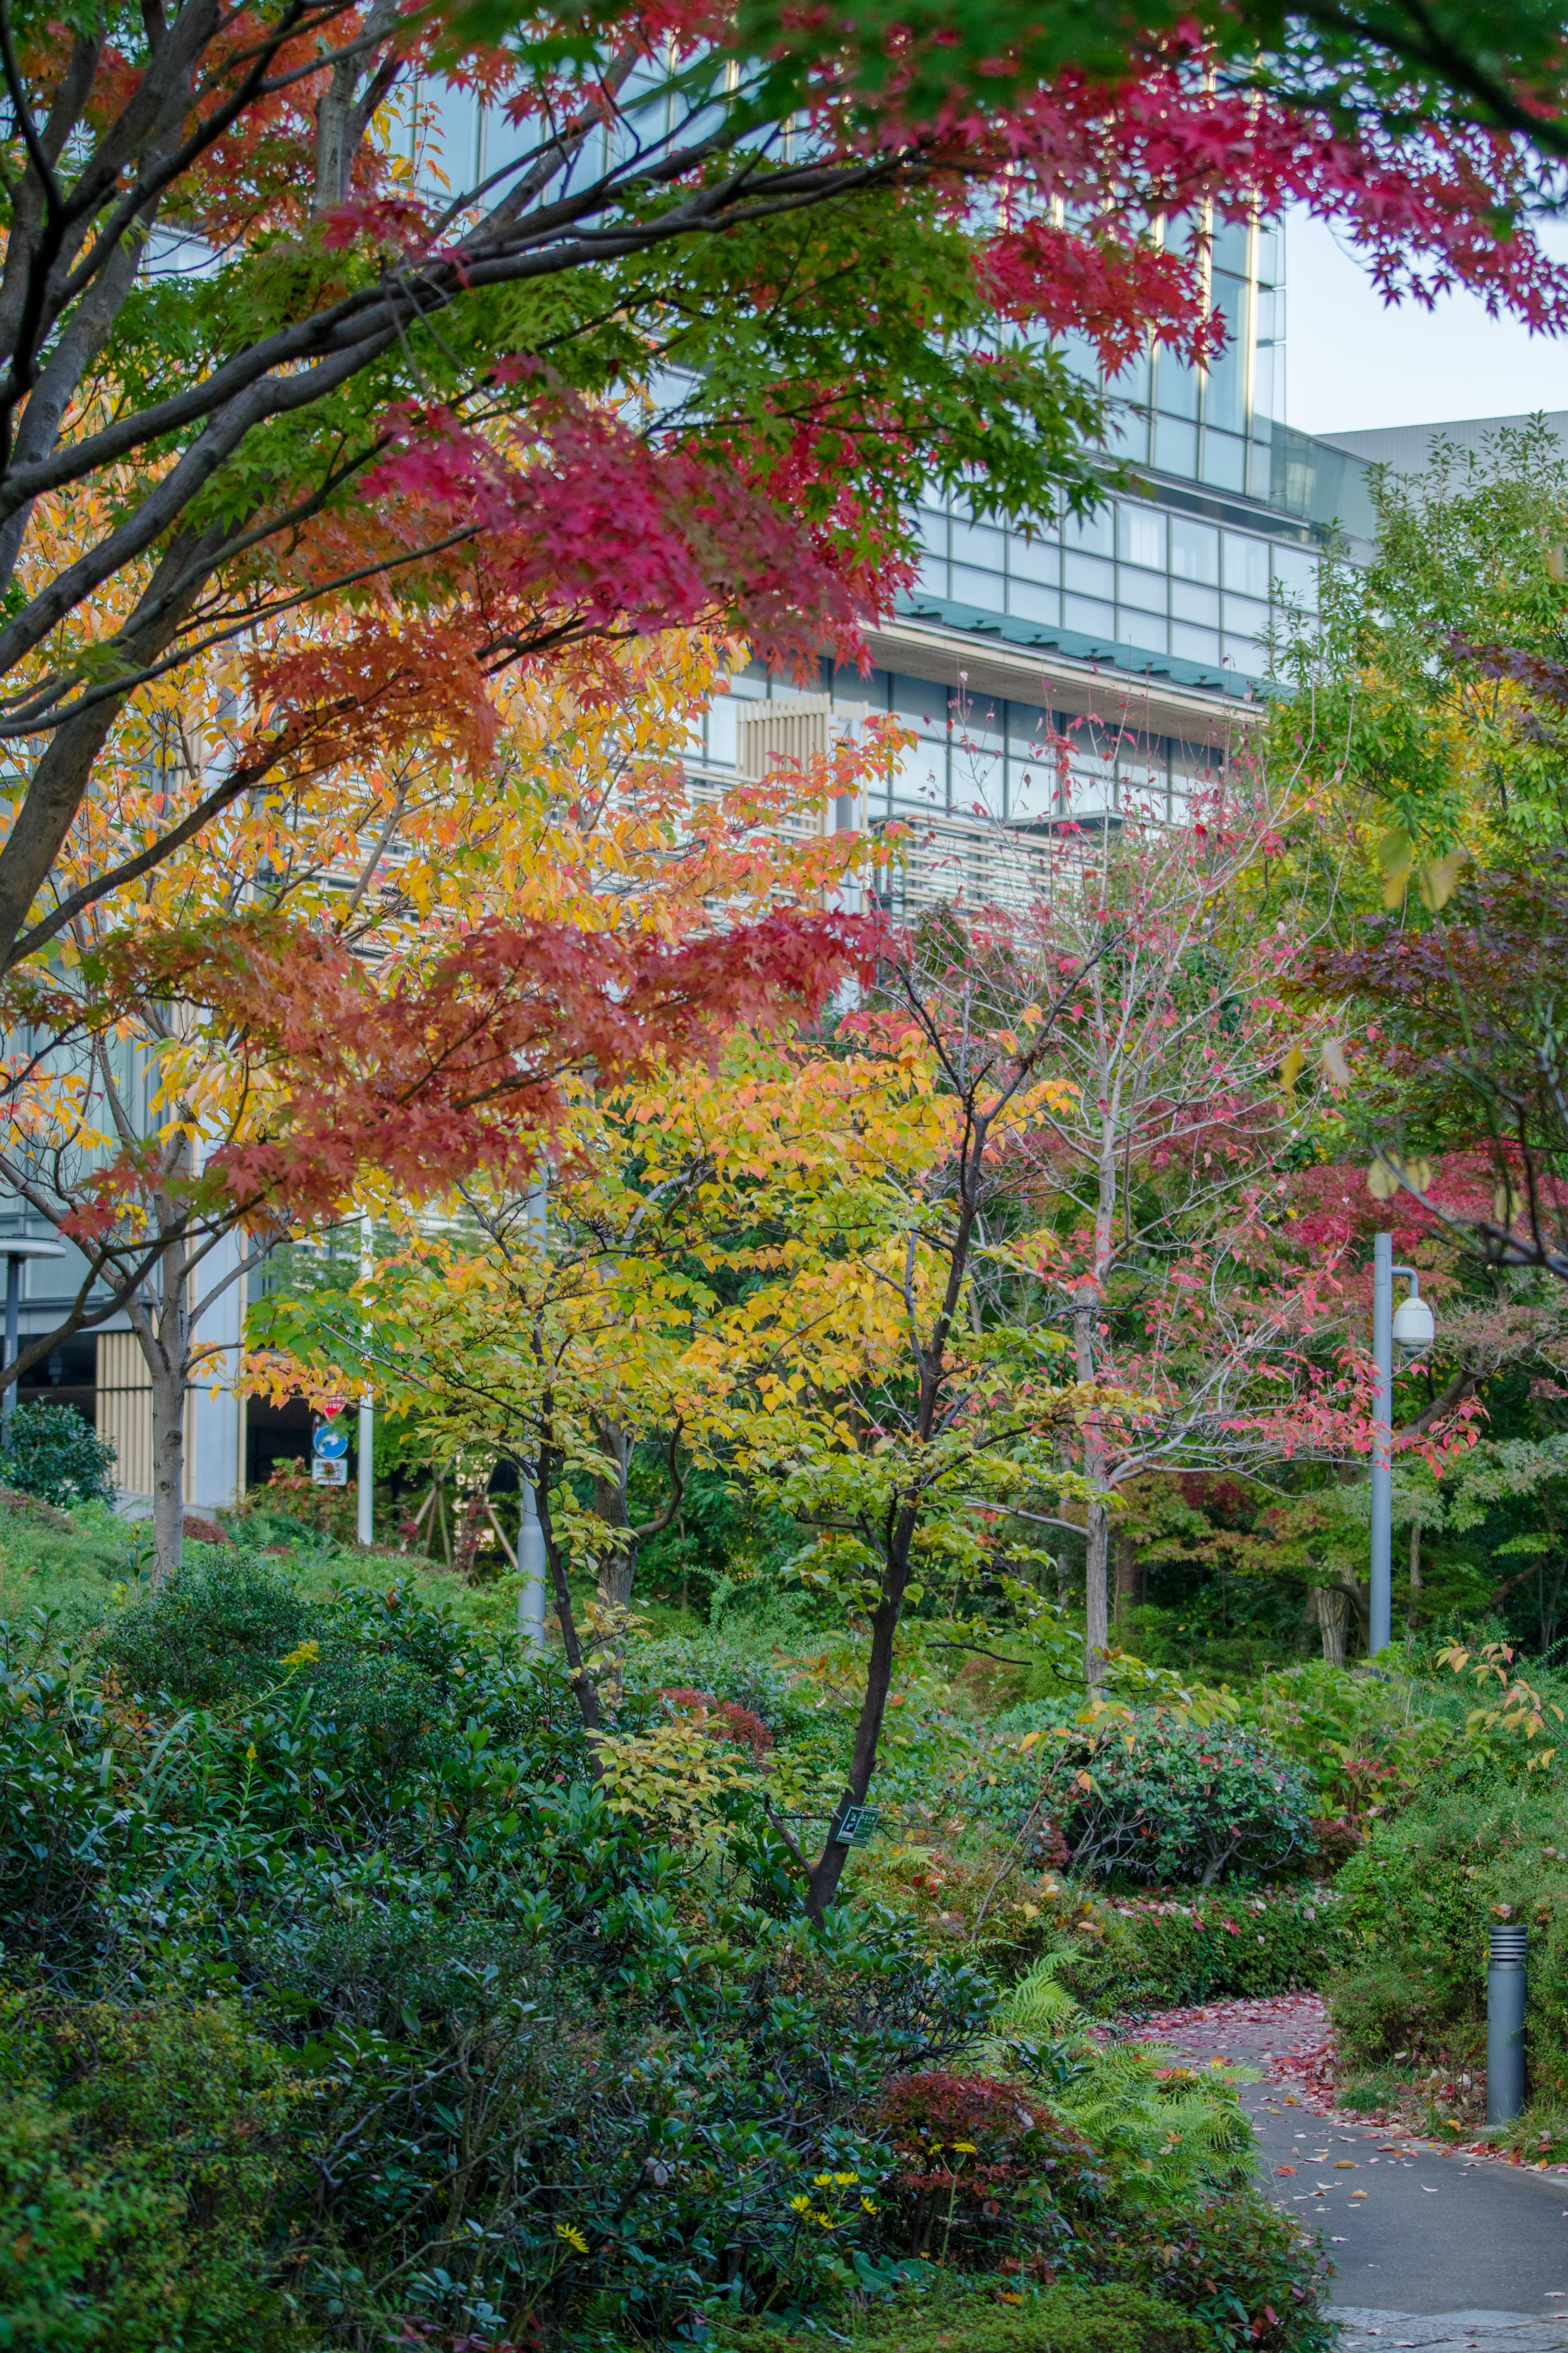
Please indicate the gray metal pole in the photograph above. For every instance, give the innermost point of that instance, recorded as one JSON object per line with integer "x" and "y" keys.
{"x": 1507, "y": 1984}
{"x": 13, "y": 1331}
{"x": 366, "y": 1498}
{"x": 531, "y": 1560}
{"x": 1381, "y": 1444}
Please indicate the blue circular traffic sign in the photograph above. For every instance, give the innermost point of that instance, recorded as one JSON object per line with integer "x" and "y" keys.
{"x": 330, "y": 1444}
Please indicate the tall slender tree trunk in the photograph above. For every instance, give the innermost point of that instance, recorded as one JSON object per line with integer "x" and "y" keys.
{"x": 1132, "y": 1583}
{"x": 1097, "y": 1532}
{"x": 1097, "y": 1616}
{"x": 168, "y": 1468}
{"x": 163, "y": 1328}
{"x": 617, "y": 1567}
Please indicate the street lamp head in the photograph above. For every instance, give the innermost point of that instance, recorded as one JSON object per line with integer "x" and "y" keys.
{"x": 1413, "y": 1326}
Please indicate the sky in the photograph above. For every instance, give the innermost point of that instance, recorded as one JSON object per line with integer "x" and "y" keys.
{"x": 1352, "y": 364}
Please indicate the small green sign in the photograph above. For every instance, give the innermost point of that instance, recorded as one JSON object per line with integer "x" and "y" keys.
{"x": 859, "y": 1826}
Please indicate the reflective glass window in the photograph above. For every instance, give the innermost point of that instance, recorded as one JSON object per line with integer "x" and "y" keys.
{"x": 1176, "y": 447}
{"x": 1296, "y": 572}
{"x": 976, "y": 543}
{"x": 1089, "y": 574}
{"x": 1032, "y": 604}
{"x": 1096, "y": 620}
{"x": 1145, "y": 629}
{"x": 1195, "y": 550}
{"x": 723, "y": 730}
{"x": 1191, "y": 603}
{"x": 1090, "y": 534}
{"x": 982, "y": 588}
{"x": 1147, "y": 589}
{"x": 1243, "y": 617}
{"x": 1034, "y": 559}
{"x": 1192, "y": 643}
{"x": 1175, "y": 387}
{"x": 1140, "y": 534}
{"x": 1246, "y": 565}
{"x": 1246, "y": 656}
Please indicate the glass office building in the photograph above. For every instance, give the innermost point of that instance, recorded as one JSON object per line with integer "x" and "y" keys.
{"x": 1051, "y": 671}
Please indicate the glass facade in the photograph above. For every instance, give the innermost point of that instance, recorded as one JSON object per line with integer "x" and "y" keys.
{"x": 1184, "y": 575}
{"x": 978, "y": 757}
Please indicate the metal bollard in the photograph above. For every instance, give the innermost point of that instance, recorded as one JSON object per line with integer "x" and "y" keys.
{"x": 1506, "y": 1980}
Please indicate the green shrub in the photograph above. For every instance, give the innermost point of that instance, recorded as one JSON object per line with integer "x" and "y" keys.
{"x": 1043, "y": 2320}
{"x": 1150, "y": 1952}
{"x": 1250, "y": 2275}
{"x": 220, "y": 1627}
{"x": 53, "y": 1454}
{"x": 142, "y": 2152}
{"x": 1166, "y": 1803}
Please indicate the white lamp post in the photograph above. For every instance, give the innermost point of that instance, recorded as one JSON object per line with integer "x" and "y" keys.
{"x": 1411, "y": 1329}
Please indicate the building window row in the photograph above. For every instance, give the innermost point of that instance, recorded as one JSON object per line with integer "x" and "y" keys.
{"x": 1133, "y": 573}
{"x": 977, "y": 758}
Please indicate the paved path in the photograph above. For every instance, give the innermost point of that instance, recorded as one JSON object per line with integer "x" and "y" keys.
{"x": 1432, "y": 2248}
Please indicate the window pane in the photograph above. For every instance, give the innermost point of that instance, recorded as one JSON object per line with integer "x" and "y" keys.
{"x": 1243, "y": 618}
{"x": 1246, "y": 657}
{"x": 1189, "y": 603}
{"x": 1141, "y": 535}
{"x": 1145, "y": 629}
{"x": 1146, "y": 590}
{"x": 1246, "y": 565}
{"x": 1225, "y": 460}
{"x": 1095, "y": 620}
{"x": 1089, "y": 532}
{"x": 1034, "y": 559}
{"x": 1032, "y": 604}
{"x": 1175, "y": 448}
{"x": 723, "y": 731}
{"x": 974, "y": 542}
{"x": 933, "y": 576}
{"x": 981, "y": 588}
{"x": 1296, "y": 571}
{"x": 1176, "y": 386}
{"x": 1195, "y": 550}
{"x": 1089, "y": 574}
{"x": 1192, "y": 643}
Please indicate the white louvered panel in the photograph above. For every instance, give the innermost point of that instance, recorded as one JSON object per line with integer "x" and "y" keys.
{"x": 125, "y": 1412}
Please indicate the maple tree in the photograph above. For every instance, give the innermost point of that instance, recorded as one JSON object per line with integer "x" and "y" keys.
{"x": 370, "y": 987}
{"x": 876, "y": 1276}
{"x": 259, "y": 354}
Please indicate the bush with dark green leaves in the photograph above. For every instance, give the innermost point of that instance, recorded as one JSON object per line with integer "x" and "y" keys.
{"x": 52, "y": 1454}
{"x": 1206, "y": 1945}
{"x": 1163, "y": 1804}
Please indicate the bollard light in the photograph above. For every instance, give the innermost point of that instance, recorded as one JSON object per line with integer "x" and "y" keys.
{"x": 1506, "y": 1989}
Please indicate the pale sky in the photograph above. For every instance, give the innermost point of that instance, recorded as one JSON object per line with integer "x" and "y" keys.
{"x": 1352, "y": 364}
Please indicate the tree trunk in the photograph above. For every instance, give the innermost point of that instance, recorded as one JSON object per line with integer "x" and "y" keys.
{"x": 1131, "y": 1578}
{"x": 168, "y": 1465}
{"x": 1330, "y": 1609}
{"x": 1097, "y": 1624}
{"x": 619, "y": 1563}
{"x": 1097, "y": 1532}
{"x": 823, "y": 1875}
{"x": 162, "y": 1329}
{"x": 1413, "y": 1616}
